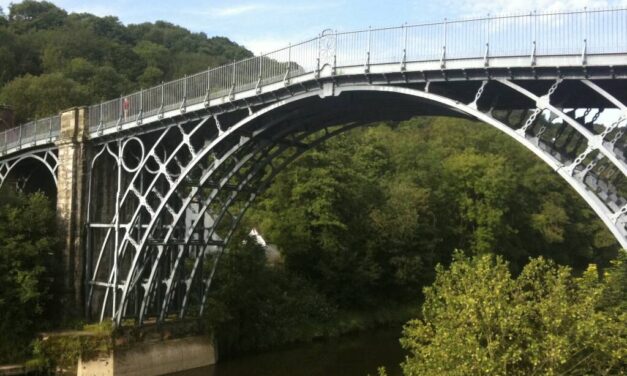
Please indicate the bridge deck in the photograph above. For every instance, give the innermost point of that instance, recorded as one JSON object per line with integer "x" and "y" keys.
{"x": 578, "y": 44}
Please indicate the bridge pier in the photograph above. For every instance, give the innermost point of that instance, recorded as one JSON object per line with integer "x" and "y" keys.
{"x": 152, "y": 358}
{"x": 73, "y": 155}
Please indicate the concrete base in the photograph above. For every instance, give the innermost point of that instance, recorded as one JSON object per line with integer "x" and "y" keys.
{"x": 151, "y": 359}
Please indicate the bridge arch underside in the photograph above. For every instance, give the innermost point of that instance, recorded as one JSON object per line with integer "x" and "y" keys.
{"x": 34, "y": 171}
{"x": 164, "y": 204}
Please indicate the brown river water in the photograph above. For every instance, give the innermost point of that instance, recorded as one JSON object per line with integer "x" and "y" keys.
{"x": 352, "y": 355}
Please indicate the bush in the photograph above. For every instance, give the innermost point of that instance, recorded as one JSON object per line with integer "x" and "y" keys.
{"x": 28, "y": 263}
{"x": 256, "y": 306}
{"x": 478, "y": 319}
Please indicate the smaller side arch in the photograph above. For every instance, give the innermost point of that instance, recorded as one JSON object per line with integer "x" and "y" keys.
{"x": 47, "y": 158}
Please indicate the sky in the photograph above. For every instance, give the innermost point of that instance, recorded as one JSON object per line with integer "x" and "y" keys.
{"x": 266, "y": 25}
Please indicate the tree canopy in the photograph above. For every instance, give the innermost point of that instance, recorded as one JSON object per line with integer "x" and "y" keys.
{"x": 477, "y": 319}
{"x": 368, "y": 215}
{"x": 29, "y": 263}
{"x": 93, "y": 58}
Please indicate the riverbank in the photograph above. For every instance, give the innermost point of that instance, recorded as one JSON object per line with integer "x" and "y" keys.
{"x": 344, "y": 324}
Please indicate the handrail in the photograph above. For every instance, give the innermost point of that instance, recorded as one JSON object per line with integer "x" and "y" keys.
{"x": 587, "y": 32}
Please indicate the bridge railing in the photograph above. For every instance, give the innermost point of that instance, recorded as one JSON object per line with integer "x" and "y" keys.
{"x": 223, "y": 81}
{"x": 584, "y": 32}
{"x": 35, "y": 132}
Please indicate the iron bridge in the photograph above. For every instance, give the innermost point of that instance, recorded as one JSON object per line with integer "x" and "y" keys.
{"x": 171, "y": 170}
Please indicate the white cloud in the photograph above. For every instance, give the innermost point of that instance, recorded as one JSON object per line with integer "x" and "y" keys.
{"x": 516, "y": 6}
{"x": 99, "y": 10}
{"x": 237, "y": 10}
{"x": 264, "y": 45}
{"x": 267, "y": 7}
{"x": 269, "y": 42}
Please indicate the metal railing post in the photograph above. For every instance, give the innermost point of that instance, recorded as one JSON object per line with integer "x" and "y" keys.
{"x": 404, "y": 58}
{"x": 19, "y": 140}
{"x": 208, "y": 93}
{"x": 335, "y": 55}
{"x": 585, "y": 36}
{"x": 258, "y": 86}
{"x": 121, "y": 114}
{"x": 141, "y": 106}
{"x": 443, "y": 57}
{"x": 534, "y": 19}
{"x": 486, "y": 55}
{"x": 232, "y": 93}
{"x": 367, "y": 64}
{"x": 318, "y": 58}
{"x": 162, "y": 106}
{"x": 286, "y": 78}
{"x": 183, "y": 107}
{"x": 100, "y": 122}
{"x": 233, "y": 81}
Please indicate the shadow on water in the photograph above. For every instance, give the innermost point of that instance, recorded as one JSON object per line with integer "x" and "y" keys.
{"x": 353, "y": 355}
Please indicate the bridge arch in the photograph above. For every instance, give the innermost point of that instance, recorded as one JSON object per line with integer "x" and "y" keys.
{"x": 26, "y": 165}
{"x": 155, "y": 270}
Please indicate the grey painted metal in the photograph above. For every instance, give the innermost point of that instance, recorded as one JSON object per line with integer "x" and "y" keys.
{"x": 35, "y": 133}
{"x": 176, "y": 166}
{"x": 133, "y": 276}
{"x": 47, "y": 157}
{"x": 607, "y": 216}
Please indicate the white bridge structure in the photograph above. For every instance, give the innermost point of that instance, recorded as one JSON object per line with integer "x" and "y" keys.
{"x": 152, "y": 185}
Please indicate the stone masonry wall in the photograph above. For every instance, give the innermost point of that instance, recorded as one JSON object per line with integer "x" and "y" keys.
{"x": 71, "y": 197}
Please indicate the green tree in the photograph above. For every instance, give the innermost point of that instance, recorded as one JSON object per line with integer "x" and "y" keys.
{"x": 42, "y": 95}
{"x": 484, "y": 185}
{"x": 152, "y": 54}
{"x": 479, "y": 320}
{"x": 3, "y": 18}
{"x": 7, "y": 56}
{"x": 35, "y": 15}
{"x": 255, "y": 306}
{"x": 101, "y": 55}
{"x": 28, "y": 266}
{"x": 318, "y": 212}
{"x": 151, "y": 77}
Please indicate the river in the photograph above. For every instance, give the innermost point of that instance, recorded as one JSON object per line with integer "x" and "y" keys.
{"x": 352, "y": 355}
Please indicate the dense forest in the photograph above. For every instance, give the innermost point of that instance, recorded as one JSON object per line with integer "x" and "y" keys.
{"x": 51, "y": 60}
{"x": 362, "y": 222}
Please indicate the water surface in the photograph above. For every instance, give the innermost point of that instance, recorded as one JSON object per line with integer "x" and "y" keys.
{"x": 353, "y": 355}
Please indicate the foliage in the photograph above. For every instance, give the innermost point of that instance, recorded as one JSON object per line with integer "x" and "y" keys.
{"x": 28, "y": 263}
{"x": 61, "y": 351}
{"x": 255, "y": 306}
{"x": 42, "y": 95}
{"x": 366, "y": 216}
{"x": 51, "y": 60}
{"x": 477, "y": 319}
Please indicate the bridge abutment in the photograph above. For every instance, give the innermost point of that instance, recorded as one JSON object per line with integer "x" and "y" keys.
{"x": 152, "y": 358}
{"x": 71, "y": 202}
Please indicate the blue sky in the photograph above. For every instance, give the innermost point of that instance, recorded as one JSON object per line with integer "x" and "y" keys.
{"x": 264, "y": 25}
